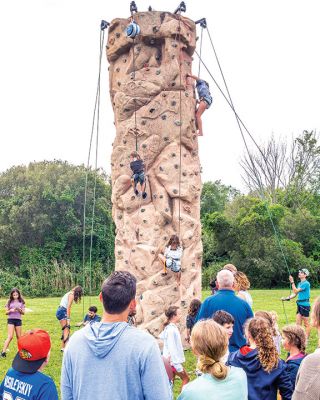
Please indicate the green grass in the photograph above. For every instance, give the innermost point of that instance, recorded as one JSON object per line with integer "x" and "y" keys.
{"x": 43, "y": 316}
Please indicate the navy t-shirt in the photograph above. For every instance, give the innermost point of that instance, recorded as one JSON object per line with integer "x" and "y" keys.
{"x": 37, "y": 386}
{"x": 96, "y": 318}
{"x": 226, "y": 300}
{"x": 137, "y": 166}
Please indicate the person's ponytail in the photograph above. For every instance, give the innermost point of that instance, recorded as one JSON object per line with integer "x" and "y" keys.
{"x": 215, "y": 368}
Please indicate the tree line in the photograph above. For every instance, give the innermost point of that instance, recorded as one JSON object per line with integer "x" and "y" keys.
{"x": 267, "y": 233}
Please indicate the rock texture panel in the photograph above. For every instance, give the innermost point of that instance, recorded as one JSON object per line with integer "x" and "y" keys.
{"x": 154, "y": 107}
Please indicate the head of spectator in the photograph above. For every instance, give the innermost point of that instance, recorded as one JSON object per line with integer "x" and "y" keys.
{"x": 194, "y": 307}
{"x": 266, "y": 315}
{"x": 33, "y": 351}
{"x": 209, "y": 342}
{"x": 315, "y": 314}
{"x": 259, "y": 335}
{"x": 294, "y": 338}
{"x": 230, "y": 267}
{"x": 224, "y": 319}
{"x": 225, "y": 279}
{"x": 241, "y": 281}
{"x": 118, "y": 296}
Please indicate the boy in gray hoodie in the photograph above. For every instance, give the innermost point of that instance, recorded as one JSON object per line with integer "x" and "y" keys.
{"x": 110, "y": 360}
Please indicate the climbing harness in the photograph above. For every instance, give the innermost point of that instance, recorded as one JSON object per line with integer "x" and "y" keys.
{"x": 68, "y": 336}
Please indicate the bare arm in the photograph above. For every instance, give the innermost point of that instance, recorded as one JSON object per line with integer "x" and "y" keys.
{"x": 294, "y": 288}
{"x": 70, "y": 301}
{"x": 193, "y": 77}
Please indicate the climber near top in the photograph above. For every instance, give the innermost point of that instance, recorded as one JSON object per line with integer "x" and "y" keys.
{"x": 138, "y": 174}
{"x": 171, "y": 259}
{"x": 205, "y": 100}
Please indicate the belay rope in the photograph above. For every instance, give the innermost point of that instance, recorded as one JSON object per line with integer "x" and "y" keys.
{"x": 94, "y": 127}
{"x": 255, "y": 172}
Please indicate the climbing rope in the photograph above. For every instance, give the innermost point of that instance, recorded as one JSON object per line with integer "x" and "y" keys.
{"x": 95, "y": 124}
{"x": 254, "y": 170}
{"x": 180, "y": 125}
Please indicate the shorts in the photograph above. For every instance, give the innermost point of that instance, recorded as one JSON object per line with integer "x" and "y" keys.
{"x": 61, "y": 313}
{"x": 172, "y": 265}
{"x": 14, "y": 321}
{"x": 304, "y": 311}
{"x": 176, "y": 368}
{"x": 207, "y": 99}
{"x": 138, "y": 178}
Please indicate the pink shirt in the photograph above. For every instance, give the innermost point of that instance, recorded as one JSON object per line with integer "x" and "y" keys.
{"x": 15, "y": 304}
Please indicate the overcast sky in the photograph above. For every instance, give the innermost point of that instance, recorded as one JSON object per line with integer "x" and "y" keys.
{"x": 268, "y": 49}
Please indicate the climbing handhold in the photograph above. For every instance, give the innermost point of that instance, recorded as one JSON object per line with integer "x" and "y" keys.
{"x": 161, "y": 169}
{"x": 163, "y": 117}
{"x": 143, "y": 122}
{"x": 173, "y": 84}
{"x": 133, "y": 198}
{"x": 118, "y": 35}
{"x": 144, "y": 146}
{"x": 173, "y": 56}
{"x": 133, "y": 30}
{"x": 164, "y": 95}
{"x": 153, "y": 312}
{"x": 124, "y": 60}
{"x": 173, "y": 103}
{"x": 174, "y": 45}
{"x": 119, "y": 252}
{"x": 154, "y": 196}
{"x": 184, "y": 173}
{"x": 155, "y": 29}
{"x": 166, "y": 209}
{"x": 166, "y": 138}
{"x": 178, "y": 123}
{"x": 121, "y": 165}
{"x": 119, "y": 83}
{"x": 118, "y": 69}
{"x": 161, "y": 196}
{"x": 176, "y": 166}
{"x": 152, "y": 110}
{"x": 143, "y": 209}
{"x": 175, "y": 191}
{"x": 186, "y": 94}
{"x": 158, "y": 72}
{"x": 173, "y": 154}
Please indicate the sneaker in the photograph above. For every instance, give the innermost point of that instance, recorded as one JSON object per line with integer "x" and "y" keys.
{"x": 144, "y": 195}
{"x": 3, "y": 354}
{"x": 136, "y": 192}
{"x": 164, "y": 274}
{"x": 62, "y": 350}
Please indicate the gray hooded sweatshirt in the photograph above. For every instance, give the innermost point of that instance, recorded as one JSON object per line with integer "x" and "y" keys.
{"x": 113, "y": 361}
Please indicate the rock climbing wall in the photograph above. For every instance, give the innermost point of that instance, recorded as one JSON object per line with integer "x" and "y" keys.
{"x": 154, "y": 108}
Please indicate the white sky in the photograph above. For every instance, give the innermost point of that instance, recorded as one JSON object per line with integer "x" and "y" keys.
{"x": 269, "y": 51}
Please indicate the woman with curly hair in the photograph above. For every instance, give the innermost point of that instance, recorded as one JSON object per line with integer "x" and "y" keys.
{"x": 242, "y": 285}
{"x": 193, "y": 310}
{"x": 272, "y": 318}
{"x": 209, "y": 342}
{"x": 266, "y": 373}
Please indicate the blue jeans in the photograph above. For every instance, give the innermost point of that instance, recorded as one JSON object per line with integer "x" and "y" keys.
{"x": 61, "y": 313}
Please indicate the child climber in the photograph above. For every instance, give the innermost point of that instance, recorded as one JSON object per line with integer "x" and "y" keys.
{"x": 205, "y": 100}
{"x": 138, "y": 175}
{"x": 171, "y": 259}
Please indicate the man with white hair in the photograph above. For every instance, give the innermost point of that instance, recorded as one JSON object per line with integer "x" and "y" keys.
{"x": 225, "y": 299}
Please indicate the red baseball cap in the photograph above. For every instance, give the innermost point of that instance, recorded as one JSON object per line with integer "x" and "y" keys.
{"x": 33, "y": 347}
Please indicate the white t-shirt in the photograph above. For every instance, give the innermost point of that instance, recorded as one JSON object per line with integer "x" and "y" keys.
{"x": 65, "y": 300}
{"x": 172, "y": 345}
{"x": 247, "y": 297}
{"x": 175, "y": 254}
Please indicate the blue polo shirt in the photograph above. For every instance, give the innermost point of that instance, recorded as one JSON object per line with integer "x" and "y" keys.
{"x": 304, "y": 294}
{"x": 226, "y": 300}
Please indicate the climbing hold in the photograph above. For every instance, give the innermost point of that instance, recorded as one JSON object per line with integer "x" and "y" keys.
{"x": 155, "y": 29}
{"x": 184, "y": 173}
{"x": 133, "y": 198}
{"x": 173, "y": 154}
{"x": 119, "y": 252}
{"x": 132, "y": 75}
{"x": 173, "y": 84}
{"x": 138, "y": 48}
{"x": 126, "y": 261}
{"x": 174, "y": 44}
{"x": 144, "y": 221}
{"x": 178, "y": 123}
{"x": 161, "y": 169}
{"x": 175, "y": 191}
{"x": 166, "y": 209}
{"x": 143, "y": 209}
{"x": 158, "y": 72}
{"x": 144, "y": 146}
{"x": 165, "y": 238}
{"x": 161, "y": 196}
{"x": 120, "y": 217}
{"x": 133, "y": 30}
{"x": 118, "y": 69}
{"x": 152, "y": 41}
{"x": 118, "y": 35}
{"x": 154, "y": 196}
{"x": 119, "y": 83}
{"x": 111, "y": 41}
{"x": 121, "y": 165}
{"x": 172, "y": 57}
{"x": 164, "y": 95}
{"x": 124, "y": 60}
{"x": 186, "y": 94}
{"x": 143, "y": 268}
{"x": 143, "y": 122}
{"x": 173, "y": 103}
{"x": 176, "y": 166}
{"x": 163, "y": 117}
{"x": 153, "y": 312}
{"x": 152, "y": 110}
{"x": 166, "y": 138}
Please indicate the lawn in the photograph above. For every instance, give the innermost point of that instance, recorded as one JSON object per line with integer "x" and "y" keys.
{"x": 43, "y": 316}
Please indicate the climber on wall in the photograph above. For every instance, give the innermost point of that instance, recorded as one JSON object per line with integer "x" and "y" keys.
{"x": 205, "y": 99}
{"x": 171, "y": 259}
{"x": 138, "y": 174}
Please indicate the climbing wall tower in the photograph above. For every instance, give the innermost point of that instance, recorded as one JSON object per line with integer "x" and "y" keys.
{"x": 154, "y": 111}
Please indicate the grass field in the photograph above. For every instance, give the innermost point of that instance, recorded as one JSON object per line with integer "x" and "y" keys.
{"x": 43, "y": 316}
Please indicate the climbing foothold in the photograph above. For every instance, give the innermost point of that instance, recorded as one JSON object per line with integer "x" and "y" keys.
{"x": 163, "y": 117}
{"x": 118, "y": 69}
{"x": 144, "y": 146}
{"x": 119, "y": 252}
{"x": 164, "y": 95}
{"x": 166, "y": 138}
{"x": 124, "y": 60}
{"x": 153, "y": 312}
{"x": 161, "y": 169}
{"x": 178, "y": 123}
{"x": 121, "y": 165}
{"x": 152, "y": 110}
{"x": 173, "y": 154}
{"x": 175, "y": 191}
{"x": 173, "y": 103}
{"x": 173, "y": 56}
{"x": 184, "y": 173}
{"x": 161, "y": 196}
{"x": 155, "y": 29}
{"x": 176, "y": 166}
{"x": 119, "y": 83}
{"x": 118, "y": 35}
{"x": 126, "y": 261}
{"x": 158, "y": 72}
{"x": 144, "y": 221}
{"x": 143, "y": 209}
{"x": 133, "y": 198}
{"x": 133, "y": 30}
{"x": 186, "y": 94}
{"x": 143, "y": 122}
{"x": 166, "y": 209}
{"x": 173, "y": 84}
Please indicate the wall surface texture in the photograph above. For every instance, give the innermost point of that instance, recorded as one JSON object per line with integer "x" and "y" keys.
{"x": 154, "y": 109}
